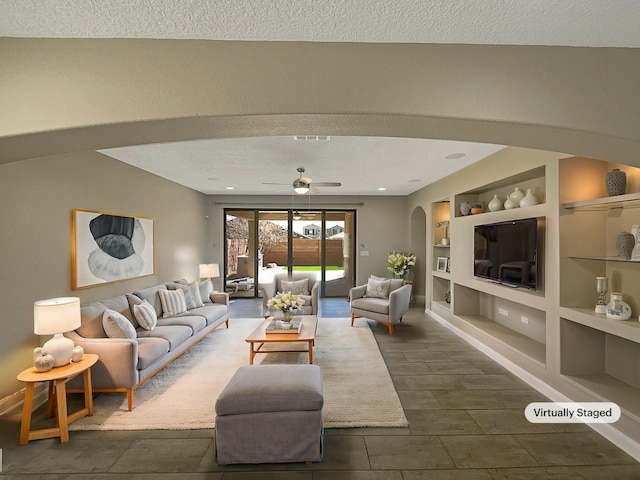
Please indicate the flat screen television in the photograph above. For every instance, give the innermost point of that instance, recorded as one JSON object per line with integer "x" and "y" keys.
{"x": 508, "y": 252}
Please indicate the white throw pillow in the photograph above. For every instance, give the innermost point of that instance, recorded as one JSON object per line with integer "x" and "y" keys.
{"x": 378, "y": 288}
{"x": 145, "y": 315}
{"x": 297, "y": 287}
{"x": 173, "y": 302}
{"x": 192, "y": 295}
{"x": 206, "y": 289}
{"x": 117, "y": 325}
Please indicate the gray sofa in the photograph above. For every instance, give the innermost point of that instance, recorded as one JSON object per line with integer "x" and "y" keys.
{"x": 126, "y": 363}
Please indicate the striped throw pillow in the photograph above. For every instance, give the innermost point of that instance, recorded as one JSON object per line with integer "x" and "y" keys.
{"x": 173, "y": 302}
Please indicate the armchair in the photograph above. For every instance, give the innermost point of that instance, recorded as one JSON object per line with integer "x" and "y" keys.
{"x": 269, "y": 288}
{"x": 388, "y": 310}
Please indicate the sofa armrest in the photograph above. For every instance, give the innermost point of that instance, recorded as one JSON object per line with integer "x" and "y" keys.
{"x": 399, "y": 302}
{"x": 118, "y": 360}
{"x": 314, "y": 298}
{"x": 357, "y": 292}
{"x": 268, "y": 290}
{"x": 219, "y": 297}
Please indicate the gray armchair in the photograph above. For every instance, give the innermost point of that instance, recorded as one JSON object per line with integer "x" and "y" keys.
{"x": 388, "y": 310}
{"x": 270, "y": 288}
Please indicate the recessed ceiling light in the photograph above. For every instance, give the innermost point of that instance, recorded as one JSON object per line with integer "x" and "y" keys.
{"x": 213, "y": 179}
{"x": 312, "y": 138}
{"x": 455, "y": 156}
{"x": 415, "y": 180}
{"x": 231, "y": 188}
{"x": 382, "y": 189}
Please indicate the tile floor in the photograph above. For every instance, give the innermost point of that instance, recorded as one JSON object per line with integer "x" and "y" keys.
{"x": 465, "y": 417}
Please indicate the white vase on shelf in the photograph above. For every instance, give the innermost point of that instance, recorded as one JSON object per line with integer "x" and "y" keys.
{"x": 495, "y": 204}
{"x": 528, "y": 200}
{"x": 516, "y": 196}
{"x": 509, "y": 204}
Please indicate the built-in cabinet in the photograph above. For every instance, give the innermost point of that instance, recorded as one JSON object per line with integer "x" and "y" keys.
{"x": 554, "y": 334}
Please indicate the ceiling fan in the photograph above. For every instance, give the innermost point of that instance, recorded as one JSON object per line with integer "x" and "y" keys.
{"x": 302, "y": 184}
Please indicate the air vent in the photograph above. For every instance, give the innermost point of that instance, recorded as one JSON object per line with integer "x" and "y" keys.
{"x": 312, "y": 138}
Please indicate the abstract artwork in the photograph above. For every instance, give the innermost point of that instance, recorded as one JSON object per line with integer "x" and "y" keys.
{"x": 108, "y": 247}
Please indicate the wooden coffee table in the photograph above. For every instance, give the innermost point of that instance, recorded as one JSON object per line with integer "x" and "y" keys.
{"x": 307, "y": 335}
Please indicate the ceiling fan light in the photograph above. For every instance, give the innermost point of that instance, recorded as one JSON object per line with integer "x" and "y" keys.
{"x": 300, "y": 187}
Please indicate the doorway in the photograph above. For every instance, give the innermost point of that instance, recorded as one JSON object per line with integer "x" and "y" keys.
{"x": 260, "y": 242}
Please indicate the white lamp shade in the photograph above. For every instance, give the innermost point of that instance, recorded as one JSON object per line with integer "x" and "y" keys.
{"x": 209, "y": 270}
{"x": 56, "y": 315}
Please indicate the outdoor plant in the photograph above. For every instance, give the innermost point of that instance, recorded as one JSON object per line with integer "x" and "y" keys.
{"x": 400, "y": 263}
{"x": 285, "y": 302}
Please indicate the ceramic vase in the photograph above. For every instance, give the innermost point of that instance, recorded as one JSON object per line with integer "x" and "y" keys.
{"x": 509, "y": 204}
{"x": 516, "y": 196}
{"x": 476, "y": 208}
{"x": 495, "y": 204}
{"x": 617, "y": 309}
{"x": 529, "y": 199}
{"x": 616, "y": 182}
{"x": 465, "y": 208}
{"x": 287, "y": 315}
{"x": 77, "y": 353}
{"x": 625, "y": 243}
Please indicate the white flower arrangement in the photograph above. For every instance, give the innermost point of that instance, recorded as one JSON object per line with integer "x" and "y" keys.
{"x": 285, "y": 302}
{"x": 400, "y": 263}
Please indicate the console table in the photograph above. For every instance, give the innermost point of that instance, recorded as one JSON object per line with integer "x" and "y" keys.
{"x": 57, "y": 401}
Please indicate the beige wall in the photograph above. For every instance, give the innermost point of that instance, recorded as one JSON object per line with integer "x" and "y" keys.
{"x": 36, "y": 198}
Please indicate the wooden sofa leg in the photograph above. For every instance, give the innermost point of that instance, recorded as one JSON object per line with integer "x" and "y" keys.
{"x": 400, "y": 320}
{"x": 353, "y": 317}
{"x": 390, "y": 326}
{"x": 130, "y": 398}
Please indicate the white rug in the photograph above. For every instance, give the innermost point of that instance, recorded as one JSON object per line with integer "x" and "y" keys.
{"x": 357, "y": 387}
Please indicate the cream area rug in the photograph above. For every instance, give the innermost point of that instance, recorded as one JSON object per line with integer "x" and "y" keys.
{"x": 358, "y": 390}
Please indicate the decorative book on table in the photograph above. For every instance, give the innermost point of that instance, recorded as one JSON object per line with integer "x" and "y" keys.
{"x": 276, "y": 326}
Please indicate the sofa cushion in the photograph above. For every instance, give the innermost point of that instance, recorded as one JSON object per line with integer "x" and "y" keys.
{"x": 194, "y": 322}
{"x": 377, "y": 288}
{"x": 117, "y": 325}
{"x": 395, "y": 283}
{"x": 150, "y": 350}
{"x": 145, "y": 314}
{"x": 176, "y": 335}
{"x": 173, "y": 302}
{"x": 297, "y": 287}
{"x": 306, "y": 299}
{"x": 211, "y": 312}
{"x": 91, "y": 320}
{"x": 372, "y": 304}
{"x": 150, "y": 294}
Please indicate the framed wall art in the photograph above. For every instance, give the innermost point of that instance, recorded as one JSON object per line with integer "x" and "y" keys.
{"x": 109, "y": 247}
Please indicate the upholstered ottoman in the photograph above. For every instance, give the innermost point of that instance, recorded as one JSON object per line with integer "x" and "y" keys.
{"x": 270, "y": 414}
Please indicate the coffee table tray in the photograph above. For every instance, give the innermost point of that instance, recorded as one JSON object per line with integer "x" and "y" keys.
{"x": 276, "y": 326}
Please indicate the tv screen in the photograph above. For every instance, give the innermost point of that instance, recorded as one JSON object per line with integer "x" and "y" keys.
{"x": 507, "y": 252}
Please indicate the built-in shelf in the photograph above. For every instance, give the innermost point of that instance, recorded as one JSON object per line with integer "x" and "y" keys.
{"x": 439, "y": 274}
{"x": 609, "y": 389}
{"x": 606, "y": 259}
{"x": 441, "y": 246}
{"x": 630, "y": 200}
{"x": 629, "y": 329}
{"x": 442, "y": 304}
{"x": 508, "y": 337}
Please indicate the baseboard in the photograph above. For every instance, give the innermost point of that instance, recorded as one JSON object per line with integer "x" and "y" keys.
{"x": 616, "y": 437}
{"x": 14, "y": 401}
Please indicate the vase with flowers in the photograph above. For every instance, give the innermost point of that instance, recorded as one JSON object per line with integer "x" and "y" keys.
{"x": 287, "y": 303}
{"x": 401, "y": 263}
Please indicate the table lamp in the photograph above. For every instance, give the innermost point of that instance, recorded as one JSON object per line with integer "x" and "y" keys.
{"x": 56, "y": 316}
{"x": 209, "y": 270}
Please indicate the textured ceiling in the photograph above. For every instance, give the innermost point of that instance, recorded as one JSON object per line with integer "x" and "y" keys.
{"x": 361, "y": 164}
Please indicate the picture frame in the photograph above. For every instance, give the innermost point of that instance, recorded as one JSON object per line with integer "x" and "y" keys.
{"x": 441, "y": 266}
{"x": 110, "y": 247}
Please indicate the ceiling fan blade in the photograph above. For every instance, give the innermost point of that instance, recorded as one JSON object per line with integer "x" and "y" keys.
{"x": 327, "y": 184}
{"x": 274, "y": 183}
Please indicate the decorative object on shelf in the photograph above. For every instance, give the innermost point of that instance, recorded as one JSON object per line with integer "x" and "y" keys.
{"x": 476, "y": 208}
{"x": 441, "y": 266}
{"x": 465, "y": 208}
{"x": 495, "y": 204}
{"x": 449, "y": 265}
{"x": 447, "y": 296}
{"x": 602, "y": 285}
{"x": 617, "y": 309}
{"x": 400, "y": 263}
{"x": 77, "y": 353}
{"x": 444, "y": 225}
{"x": 43, "y": 361}
{"x": 509, "y": 204}
{"x": 57, "y": 316}
{"x": 616, "y": 182}
{"x": 286, "y": 303}
{"x": 528, "y": 200}
{"x": 625, "y": 243}
{"x": 516, "y": 196}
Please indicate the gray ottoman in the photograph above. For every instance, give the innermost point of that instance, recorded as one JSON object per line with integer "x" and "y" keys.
{"x": 270, "y": 414}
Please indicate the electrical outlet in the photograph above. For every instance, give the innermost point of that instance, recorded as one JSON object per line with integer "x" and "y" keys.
{"x": 524, "y": 320}
{"x": 503, "y": 311}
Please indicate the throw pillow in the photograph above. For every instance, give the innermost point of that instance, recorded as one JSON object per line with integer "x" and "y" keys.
{"x": 173, "y": 302}
{"x": 116, "y": 325}
{"x": 378, "y": 288}
{"x": 192, "y": 294}
{"x": 206, "y": 289}
{"x": 145, "y": 315}
{"x": 297, "y": 287}
{"x": 378, "y": 278}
